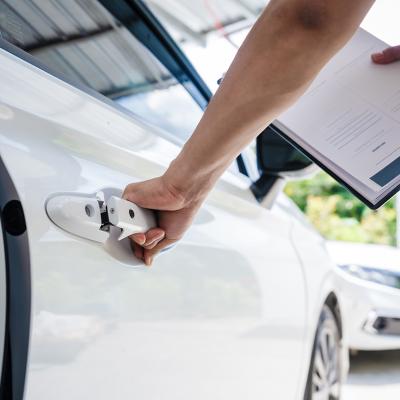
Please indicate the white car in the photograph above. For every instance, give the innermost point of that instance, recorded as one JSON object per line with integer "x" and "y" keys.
{"x": 94, "y": 96}
{"x": 369, "y": 280}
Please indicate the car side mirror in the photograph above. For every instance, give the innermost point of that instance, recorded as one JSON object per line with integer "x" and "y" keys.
{"x": 277, "y": 159}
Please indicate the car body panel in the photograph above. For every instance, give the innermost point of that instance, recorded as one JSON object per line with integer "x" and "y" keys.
{"x": 362, "y": 297}
{"x": 211, "y": 319}
{"x": 370, "y": 255}
{"x": 321, "y": 284}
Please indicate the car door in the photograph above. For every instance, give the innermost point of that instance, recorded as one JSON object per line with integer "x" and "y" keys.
{"x": 221, "y": 315}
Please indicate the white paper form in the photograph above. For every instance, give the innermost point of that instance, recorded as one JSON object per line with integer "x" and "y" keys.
{"x": 350, "y": 116}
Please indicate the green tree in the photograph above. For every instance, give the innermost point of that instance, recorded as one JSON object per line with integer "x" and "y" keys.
{"x": 339, "y": 215}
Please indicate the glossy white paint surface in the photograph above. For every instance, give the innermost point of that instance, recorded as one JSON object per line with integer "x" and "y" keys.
{"x": 363, "y": 297}
{"x": 368, "y": 255}
{"x": 320, "y": 280}
{"x": 227, "y": 314}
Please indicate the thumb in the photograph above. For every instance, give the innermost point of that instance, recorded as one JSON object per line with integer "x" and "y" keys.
{"x": 151, "y": 194}
{"x": 147, "y": 194}
{"x": 134, "y": 193}
{"x": 387, "y": 56}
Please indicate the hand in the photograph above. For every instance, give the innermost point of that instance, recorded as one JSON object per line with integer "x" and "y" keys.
{"x": 174, "y": 215}
{"x": 387, "y": 56}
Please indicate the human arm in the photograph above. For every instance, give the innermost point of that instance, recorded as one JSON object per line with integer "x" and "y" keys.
{"x": 285, "y": 50}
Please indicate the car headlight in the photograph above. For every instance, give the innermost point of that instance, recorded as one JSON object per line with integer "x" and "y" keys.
{"x": 383, "y": 277}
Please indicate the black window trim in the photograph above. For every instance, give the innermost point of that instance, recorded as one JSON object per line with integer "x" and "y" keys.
{"x": 157, "y": 39}
{"x": 18, "y": 292}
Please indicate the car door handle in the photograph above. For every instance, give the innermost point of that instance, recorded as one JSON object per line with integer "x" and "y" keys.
{"x": 92, "y": 217}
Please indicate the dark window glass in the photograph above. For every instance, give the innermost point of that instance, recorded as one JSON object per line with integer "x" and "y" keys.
{"x": 81, "y": 40}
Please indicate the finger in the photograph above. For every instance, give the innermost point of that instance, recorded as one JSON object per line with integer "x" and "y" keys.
{"x": 128, "y": 190}
{"x": 139, "y": 238}
{"x": 153, "y": 244}
{"x": 143, "y": 194}
{"x": 153, "y": 236}
{"x": 137, "y": 251}
{"x": 387, "y": 56}
{"x": 136, "y": 193}
{"x": 149, "y": 254}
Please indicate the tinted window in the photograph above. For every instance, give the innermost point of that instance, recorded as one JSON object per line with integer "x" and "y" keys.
{"x": 80, "y": 39}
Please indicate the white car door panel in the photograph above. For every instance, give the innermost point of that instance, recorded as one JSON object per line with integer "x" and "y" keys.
{"x": 220, "y": 316}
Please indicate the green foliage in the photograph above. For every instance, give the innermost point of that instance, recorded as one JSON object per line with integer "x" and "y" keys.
{"x": 338, "y": 215}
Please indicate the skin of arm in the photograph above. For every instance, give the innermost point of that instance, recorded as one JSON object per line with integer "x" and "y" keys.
{"x": 287, "y": 47}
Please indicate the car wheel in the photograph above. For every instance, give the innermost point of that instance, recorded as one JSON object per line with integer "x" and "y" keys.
{"x": 324, "y": 378}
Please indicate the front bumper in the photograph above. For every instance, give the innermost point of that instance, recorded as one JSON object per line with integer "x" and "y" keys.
{"x": 378, "y": 323}
{"x": 371, "y": 316}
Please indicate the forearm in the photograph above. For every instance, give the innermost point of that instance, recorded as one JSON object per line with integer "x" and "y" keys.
{"x": 282, "y": 54}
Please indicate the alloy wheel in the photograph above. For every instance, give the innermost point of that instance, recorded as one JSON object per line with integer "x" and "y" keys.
{"x": 326, "y": 373}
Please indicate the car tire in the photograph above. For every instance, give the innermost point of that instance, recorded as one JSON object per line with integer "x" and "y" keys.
{"x": 324, "y": 378}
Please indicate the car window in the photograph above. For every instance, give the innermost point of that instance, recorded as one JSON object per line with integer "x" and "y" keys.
{"x": 82, "y": 41}
{"x": 209, "y": 33}
{"x": 208, "y": 30}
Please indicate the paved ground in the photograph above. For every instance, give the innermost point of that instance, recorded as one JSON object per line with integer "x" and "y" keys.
{"x": 374, "y": 376}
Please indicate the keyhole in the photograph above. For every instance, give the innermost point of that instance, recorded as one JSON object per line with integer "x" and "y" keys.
{"x": 131, "y": 213}
{"x": 89, "y": 210}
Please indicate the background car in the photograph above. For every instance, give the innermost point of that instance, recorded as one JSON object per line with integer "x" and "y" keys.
{"x": 369, "y": 278}
{"x": 94, "y": 96}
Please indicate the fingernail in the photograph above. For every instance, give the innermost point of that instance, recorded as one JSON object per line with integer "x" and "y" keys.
{"x": 151, "y": 246}
{"x": 378, "y": 57}
{"x": 147, "y": 244}
{"x": 157, "y": 238}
